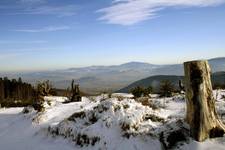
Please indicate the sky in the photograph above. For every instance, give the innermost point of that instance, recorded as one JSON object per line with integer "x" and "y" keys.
{"x": 56, "y": 34}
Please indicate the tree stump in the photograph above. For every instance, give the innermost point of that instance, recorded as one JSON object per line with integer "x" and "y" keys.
{"x": 201, "y": 113}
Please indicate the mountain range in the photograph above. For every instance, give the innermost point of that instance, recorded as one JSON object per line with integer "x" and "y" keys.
{"x": 217, "y": 78}
{"x": 95, "y": 79}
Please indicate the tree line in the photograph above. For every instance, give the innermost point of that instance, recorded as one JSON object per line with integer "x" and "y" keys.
{"x": 15, "y": 91}
{"x": 166, "y": 89}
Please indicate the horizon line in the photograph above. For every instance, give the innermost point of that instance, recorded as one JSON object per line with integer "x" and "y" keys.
{"x": 86, "y": 66}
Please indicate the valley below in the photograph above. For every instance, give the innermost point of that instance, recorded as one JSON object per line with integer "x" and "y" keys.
{"x": 97, "y": 79}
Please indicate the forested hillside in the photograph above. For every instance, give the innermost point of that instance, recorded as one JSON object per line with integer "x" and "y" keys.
{"x": 15, "y": 91}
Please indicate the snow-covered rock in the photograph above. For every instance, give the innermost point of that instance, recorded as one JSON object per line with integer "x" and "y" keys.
{"x": 100, "y": 122}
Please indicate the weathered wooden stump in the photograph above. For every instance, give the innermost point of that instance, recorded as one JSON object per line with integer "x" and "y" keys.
{"x": 201, "y": 114}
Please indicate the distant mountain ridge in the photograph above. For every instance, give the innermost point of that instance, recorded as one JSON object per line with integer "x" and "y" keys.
{"x": 154, "y": 81}
{"x": 122, "y": 67}
{"x": 95, "y": 79}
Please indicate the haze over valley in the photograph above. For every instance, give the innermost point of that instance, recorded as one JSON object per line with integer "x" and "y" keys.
{"x": 96, "y": 79}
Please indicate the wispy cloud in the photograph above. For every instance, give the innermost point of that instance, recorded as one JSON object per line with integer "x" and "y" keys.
{"x": 61, "y": 11}
{"x": 39, "y": 7}
{"x": 45, "y": 29}
{"x": 32, "y": 1}
{"x": 129, "y": 12}
{"x": 22, "y": 42}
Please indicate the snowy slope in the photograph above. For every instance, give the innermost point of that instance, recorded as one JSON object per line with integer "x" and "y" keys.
{"x": 17, "y": 132}
{"x": 102, "y": 123}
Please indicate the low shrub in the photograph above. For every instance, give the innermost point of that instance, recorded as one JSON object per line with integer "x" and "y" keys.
{"x": 174, "y": 135}
{"x": 166, "y": 88}
{"x": 153, "y": 118}
{"x": 137, "y": 91}
{"x": 10, "y": 103}
{"x": 77, "y": 115}
{"x": 85, "y": 140}
{"x": 140, "y": 91}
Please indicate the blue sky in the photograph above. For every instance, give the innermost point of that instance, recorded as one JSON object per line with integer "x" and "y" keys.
{"x": 55, "y": 34}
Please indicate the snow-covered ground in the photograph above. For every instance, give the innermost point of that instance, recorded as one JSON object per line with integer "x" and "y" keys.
{"x": 115, "y": 123}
